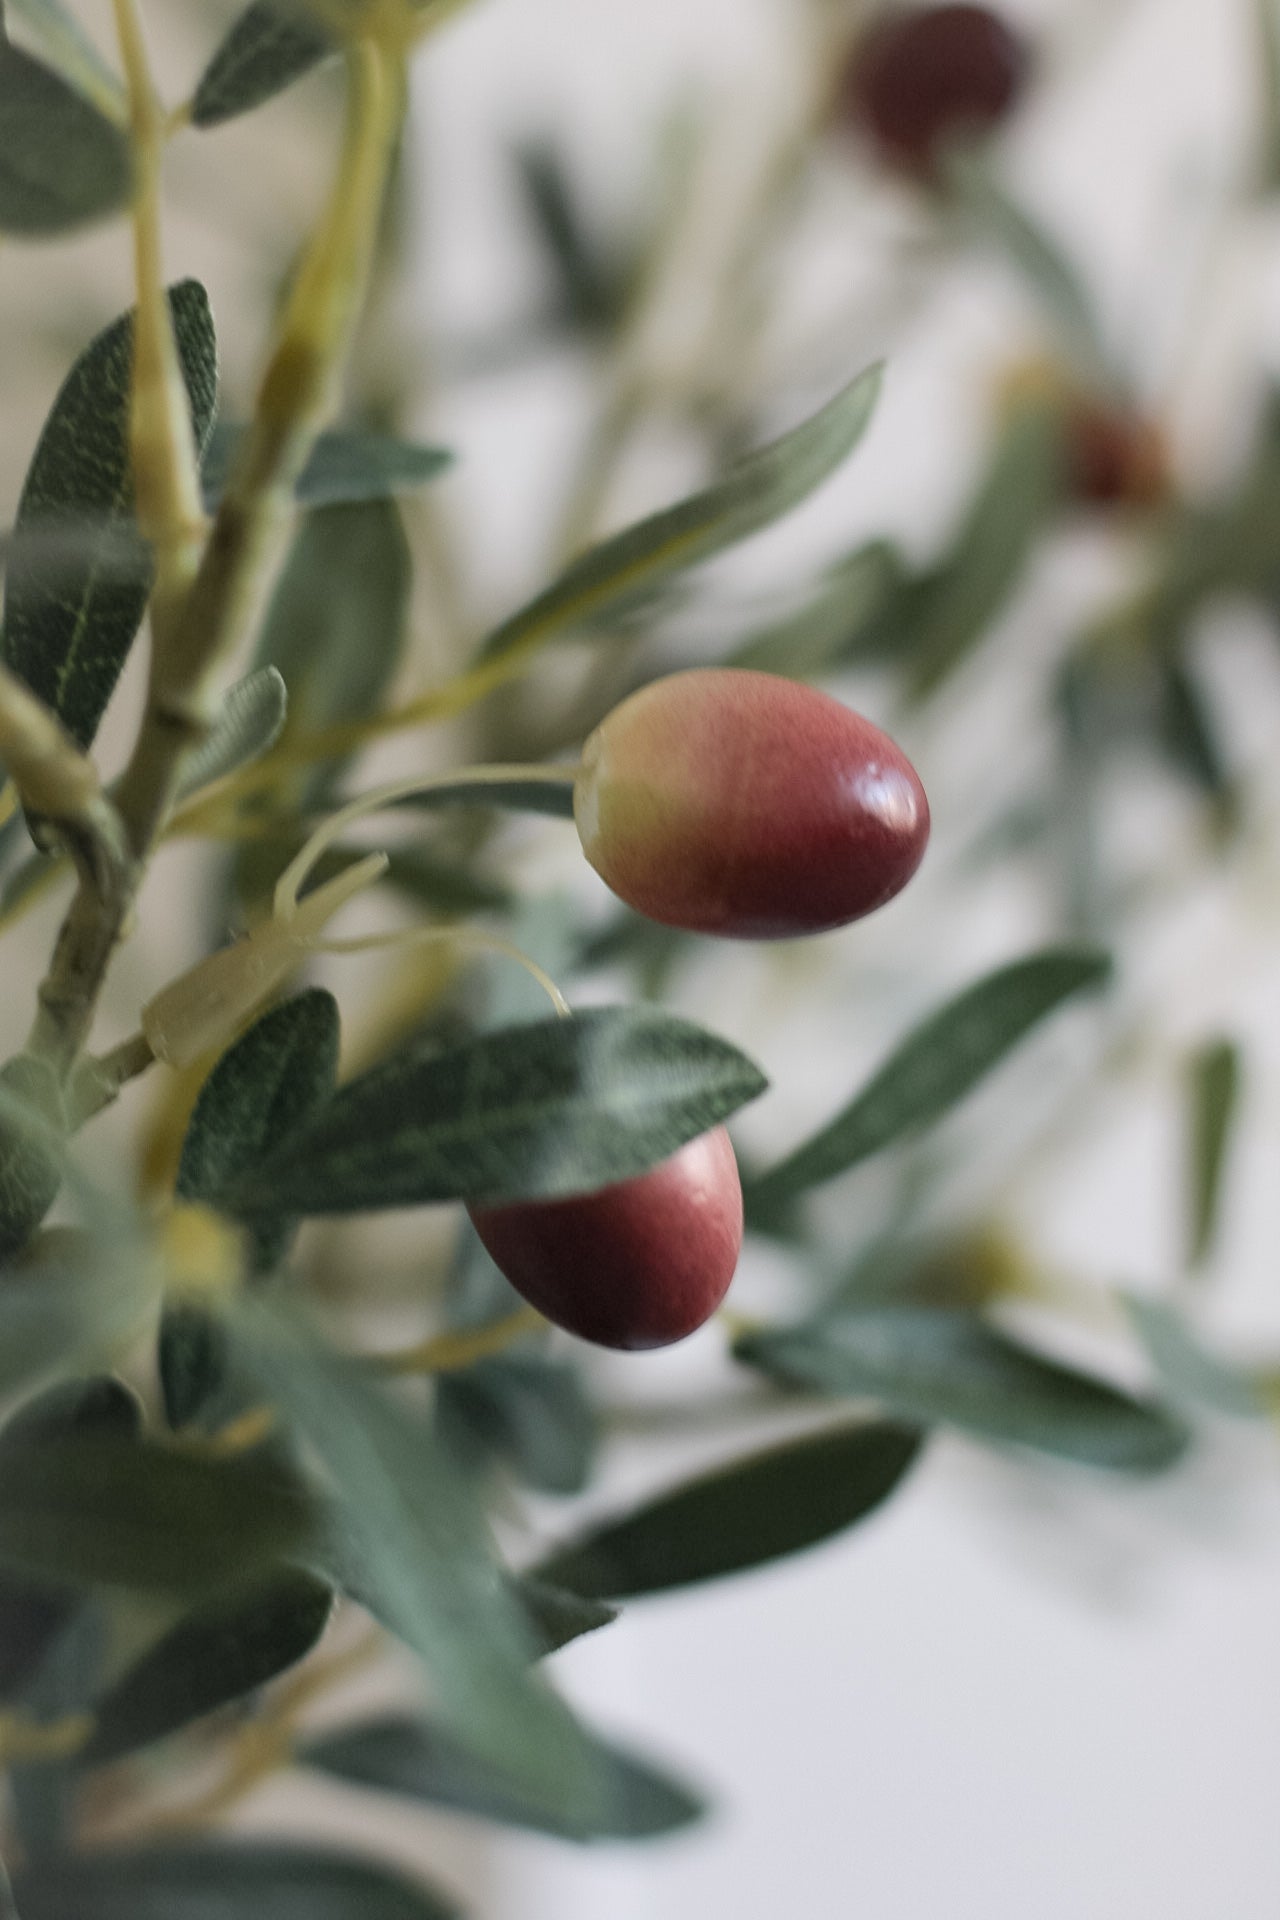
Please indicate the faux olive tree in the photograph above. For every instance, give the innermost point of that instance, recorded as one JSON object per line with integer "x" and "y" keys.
{"x": 205, "y": 1478}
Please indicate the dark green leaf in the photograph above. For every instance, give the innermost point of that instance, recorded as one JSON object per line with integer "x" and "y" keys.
{"x": 552, "y": 797}
{"x": 935, "y": 1066}
{"x": 43, "y": 1794}
{"x": 1267, "y": 17}
{"x": 1189, "y": 733}
{"x": 755, "y": 493}
{"x": 66, "y": 46}
{"x": 1038, "y": 259}
{"x": 753, "y": 1511}
{"x": 1214, "y": 1090}
{"x": 405, "y": 1523}
{"x": 194, "y": 1363}
{"x": 68, "y": 636}
{"x": 527, "y": 1411}
{"x": 272, "y": 44}
{"x": 32, "y": 1617}
{"x": 262, "y": 1091}
{"x": 252, "y": 720}
{"x": 216, "y": 1655}
{"x": 557, "y": 1618}
{"x": 934, "y": 1365}
{"x": 590, "y": 286}
{"x": 954, "y": 606}
{"x": 345, "y": 467}
{"x": 422, "y": 1762}
{"x": 1192, "y": 1376}
{"x": 135, "y": 1514}
{"x": 202, "y": 1880}
{"x": 62, "y": 161}
{"x": 554, "y": 1107}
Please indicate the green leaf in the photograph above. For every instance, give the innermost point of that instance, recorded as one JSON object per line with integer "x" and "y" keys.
{"x": 251, "y": 721}
{"x": 849, "y": 606}
{"x": 557, "y": 1618}
{"x": 136, "y": 1514}
{"x": 1189, "y": 733}
{"x": 591, "y": 288}
{"x": 935, "y": 1365}
{"x": 269, "y": 46}
{"x": 535, "y": 1111}
{"x": 31, "y": 1616}
{"x": 193, "y": 1358}
{"x": 43, "y": 1794}
{"x": 68, "y": 47}
{"x": 265, "y": 1089}
{"x": 934, "y": 1067}
{"x": 1267, "y": 39}
{"x": 414, "y": 1758}
{"x": 953, "y": 607}
{"x": 525, "y": 1410}
{"x": 755, "y": 493}
{"x": 215, "y": 1656}
{"x": 62, "y": 161}
{"x": 1192, "y": 1376}
{"x": 404, "y": 1520}
{"x": 1213, "y": 1088}
{"x": 345, "y": 466}
{"x": 202, "y": 1880}
{"x": 751, "y": 1512}
{"x": 70, "y": 1302}
{"x": 68, "y": 636}
{"x": 1036, "y": 257}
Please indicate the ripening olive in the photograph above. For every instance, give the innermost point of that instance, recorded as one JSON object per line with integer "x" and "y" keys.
{"x": 638, "y": 1264}
{"x": 736, "y": 803}
{"x": 920, "y": 79}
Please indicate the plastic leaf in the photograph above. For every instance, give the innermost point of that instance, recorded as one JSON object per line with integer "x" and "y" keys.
{"x": 935, "y": 1067}
{"x": 416, "y": 1759}
{"x": 554, "y": 1107}
{"x": 345, "y": 466}
{"x": 405, "y": 1521}
{"x": 528, "y": 1412}
{"x": 950, "y": 1367}
{"x": 66, "y": 46}
{"x": 62, "y": 161}
{"x": 1213, "y": 1088}
{"x": 214, "y": 1656}
{"x": 267, "y": 48}
{"x": 1191, "y": 1374}
{"x": 68, "y": 635}
{"x": 251, "y": 721}
{"x": 137, "y": 1514}
{"x": 754, "y": 494}
{"x": 751, "y": 1512}
{"x": 202, "y": 1880}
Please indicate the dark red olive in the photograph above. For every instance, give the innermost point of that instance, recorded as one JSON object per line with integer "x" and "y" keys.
{"x": 1114, "y": 457}
{"x": 639, "y": 1264}
{"x": 737, "y": 803}
{"x": 917, "y": 80}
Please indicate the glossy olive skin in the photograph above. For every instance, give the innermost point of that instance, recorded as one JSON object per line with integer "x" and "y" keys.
{"x": 920, "y": 79}
{"x": 729, "y": 802}
{"x": 637, "y": 1265}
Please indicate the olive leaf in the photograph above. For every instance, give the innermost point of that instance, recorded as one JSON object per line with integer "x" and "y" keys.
{"x": 755, "y": 1510}
{"x": 67, "y": 47}
{"x": 933, "y": 1068}
{"x": 250, "y": 722}
{"x": 1213, "y": 1087}
{"x": 215, "y": 1655}
{"x": 206, "y": 1880}
{"x": 549, "y": 1108}
{"x": 344, "y": 466}
{"x": 939, "y": 1365}
{"x": 405, "y": 1522}
{"x": 528, "y": 1412}
{"x": 419, "y": 1760}
{"x": 67, "y": 634}
{"x": 755, "y": 493}
{"x": 269, "y": 46}
{"x": 63, "y": 162}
